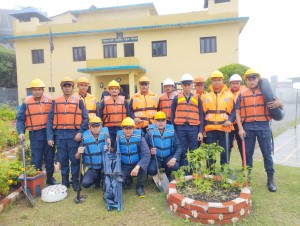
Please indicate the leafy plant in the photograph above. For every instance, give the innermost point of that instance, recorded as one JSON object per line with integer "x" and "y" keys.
{"x": 201, "y": 164}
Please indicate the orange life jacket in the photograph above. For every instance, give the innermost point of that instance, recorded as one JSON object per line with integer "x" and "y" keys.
{"x": 145, "y": 107}
{"x": 67, "y": 114}
{"x": 90, "y": 103}
{"x": 236, "y": 94}
{"x": 37, "y": 112}
{"x": 253, "y": 107}
{"x": 217, "y": 108}
{"x": 114, "y": 111}
{"x": 187, "y": 112}
{"x": 165, "y": 103}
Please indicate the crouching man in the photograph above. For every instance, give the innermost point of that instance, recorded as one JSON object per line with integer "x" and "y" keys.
{"x": 135, "y": 155}
{"x": 93, "y": 143}
{"x": 165, "y": 145}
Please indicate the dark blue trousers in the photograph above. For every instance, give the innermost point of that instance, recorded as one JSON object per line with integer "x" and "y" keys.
{"x": 152, "y": 169}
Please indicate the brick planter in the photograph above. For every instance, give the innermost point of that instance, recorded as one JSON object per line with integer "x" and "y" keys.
{"x": 209, "y": 212}
{"x": 11, "y": 198}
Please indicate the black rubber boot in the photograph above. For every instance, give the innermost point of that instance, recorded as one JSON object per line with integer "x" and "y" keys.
{"x": 50, "y": 179}
{"x": 75, "y": 184}
{"x": 271, "y": 185}
{"x": 140, "y": 182}
{"x": 127, "y": 184}
{"x": 65, "y": 180}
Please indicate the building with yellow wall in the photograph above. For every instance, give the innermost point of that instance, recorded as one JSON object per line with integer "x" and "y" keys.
{"x": 125, "y": 43}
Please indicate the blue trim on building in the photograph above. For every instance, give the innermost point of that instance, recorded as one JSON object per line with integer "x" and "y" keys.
{"x": 111, "y": 68}
{"x": 113, "y": 30}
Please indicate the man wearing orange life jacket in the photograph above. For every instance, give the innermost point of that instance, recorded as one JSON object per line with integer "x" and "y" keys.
{"x": 253, "y": 119}
{"x": 143, "y": 105}
{"x": 67, "y": 120}
{"x": 165, "y": 100}
{"x": 218, "y": 107}
{"x": 33, "y": 116}
{"x": 89, "y": 100}
{"x": 113, "y": 109}
{"x": 199, "y": 82}
{"x": 187, "y": 117}
{"x": 235, "y": 88}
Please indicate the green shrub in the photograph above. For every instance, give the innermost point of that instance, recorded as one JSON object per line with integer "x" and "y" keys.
{"x": 7, "y": 113}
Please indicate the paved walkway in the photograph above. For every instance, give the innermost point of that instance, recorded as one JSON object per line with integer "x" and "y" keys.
{"x": 287, "y": 148}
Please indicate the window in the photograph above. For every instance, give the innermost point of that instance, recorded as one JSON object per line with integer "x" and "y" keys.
{"x": 159, "y": 48}
{"x": 208, "y": 44}
{"x": 37, "y": 56}
{"x": 128, "y": 49}
{"x": 110, "y": 51}
{"x": 51, "y": 89}
{"x": 221, "y": 1}
{"x": 79, "y": 53}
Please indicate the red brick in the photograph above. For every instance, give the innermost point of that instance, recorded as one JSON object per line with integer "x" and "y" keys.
{"x": 182, "y": 215}
{"x": 245, "y": 196}
{"x": 199, "y": 203}
{"x": 218, "y": 210}
{"x": 239, "y": 206}
{"x": 185, "y": 211}
{"x": 176, "y": 198}
{"x": 172, "y": 185}
{"x": 208, "y": 216}
{"x": 231, "y": 215}
{"x": 197, "y": 208}
{"x": 229, "y": 203}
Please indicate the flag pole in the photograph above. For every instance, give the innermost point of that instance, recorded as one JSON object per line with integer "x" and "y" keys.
{"x": 51, "y": 51}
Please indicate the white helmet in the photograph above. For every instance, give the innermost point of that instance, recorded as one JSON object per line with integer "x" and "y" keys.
{"x": 235, "y": 77}
{"x": 168, "y": 81}
{"x": 187, "y": 78}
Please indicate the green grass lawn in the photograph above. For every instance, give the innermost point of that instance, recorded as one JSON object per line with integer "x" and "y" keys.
{"x": 279, "y": 208}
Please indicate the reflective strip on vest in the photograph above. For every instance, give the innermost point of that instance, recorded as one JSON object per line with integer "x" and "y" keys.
{"x": 114, "y": 111}
{"x": 67, "y": 114}
{"x": 145, "y": 107}
{"x": 187, "y": 112}
{"x": 253, "y": 107}
{"x": 130, "y": 149}
{"x": 36, "y": 113}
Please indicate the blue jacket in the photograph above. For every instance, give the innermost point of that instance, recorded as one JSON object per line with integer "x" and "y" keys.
{"x": 93, "y": 149}
{"x": 134, "y": 151}
{"x": 167, "y": 143}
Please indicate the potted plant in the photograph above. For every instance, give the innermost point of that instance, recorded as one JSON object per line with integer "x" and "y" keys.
{"x": 35, "y": 180}
{"x": 205, "y": 198}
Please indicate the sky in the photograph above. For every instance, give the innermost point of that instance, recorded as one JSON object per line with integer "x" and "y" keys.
{"x": 269, "y": 42}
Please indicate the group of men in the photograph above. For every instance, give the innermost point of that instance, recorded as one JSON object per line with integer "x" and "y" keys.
{"x": 146, "y": 129}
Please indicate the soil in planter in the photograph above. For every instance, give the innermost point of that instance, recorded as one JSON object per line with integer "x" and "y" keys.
{"x": 217, "y": 194}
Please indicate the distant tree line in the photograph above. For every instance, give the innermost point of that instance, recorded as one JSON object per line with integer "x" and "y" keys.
{"x": 8, "y": 70}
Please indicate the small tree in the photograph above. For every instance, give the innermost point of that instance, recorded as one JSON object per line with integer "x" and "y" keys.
{"x": 8, "y": 74}
{"x": 227, "y": 71}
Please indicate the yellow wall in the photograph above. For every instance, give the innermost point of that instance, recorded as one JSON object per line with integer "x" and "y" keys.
{"x": 183, "y": 46}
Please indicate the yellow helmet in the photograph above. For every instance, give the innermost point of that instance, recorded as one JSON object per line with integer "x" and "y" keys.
{"x": 95, "y": 121}
{"x": 160, "y": 115}
{"x": 67, "y": 80}
{"x": 251, "y": 72}
{"x": 83, "y": 80}
{"x": 37, "y": 83}
{"x": 217, "y": 74}
{"x": 113, "y": 83}
{"x": 144, "y": 79}
{"x": 127, "y": 122}
{"x": 199, "y": 79}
